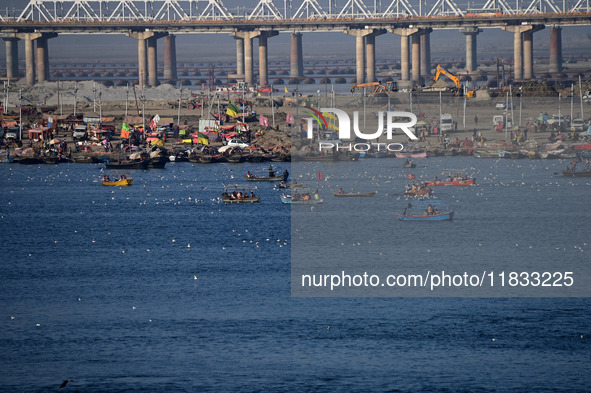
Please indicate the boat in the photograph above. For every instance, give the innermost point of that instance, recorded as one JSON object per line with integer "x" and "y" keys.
{"x": 354, "y": 194}
{"x": 121, "y": 182}
{"x": 128, "y": 165}
{"x": 157, "y": 162}
{"x": 271, "y": 178}
{"x": 469, "y": 182}
{"x": 289, "y": 185}
{"x": 583, "y": 173}
{"x": 234, "y": 193}
{"x": 409, "y": 165}
{"x": 454, "y": 177}
{"x": 419, "y": 211}
{"x": 412, "y": 155}
{"x": 421, "y": 191}
{"x": 28, "y": 160}
{"x": 490, "y": 154}
{"x": 306, "y": 199}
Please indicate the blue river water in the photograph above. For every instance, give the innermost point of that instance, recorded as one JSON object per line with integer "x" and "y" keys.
{"x": 159, "y": 287}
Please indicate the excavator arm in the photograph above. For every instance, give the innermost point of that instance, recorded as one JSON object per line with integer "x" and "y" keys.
{"x": 454, "y": 79}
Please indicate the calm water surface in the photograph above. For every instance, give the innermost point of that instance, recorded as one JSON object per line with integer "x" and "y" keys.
{"x": 97, "y": 284}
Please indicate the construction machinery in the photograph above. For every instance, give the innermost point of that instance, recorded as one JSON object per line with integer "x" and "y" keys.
{"x": 458, "y": 89}
{"x": 376, "y": 87}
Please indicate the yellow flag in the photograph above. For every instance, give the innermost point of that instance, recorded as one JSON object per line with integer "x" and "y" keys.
{"x": 231, "y": 112}
{"x": 287, "y": 91}
{"x": 329, "y": 116}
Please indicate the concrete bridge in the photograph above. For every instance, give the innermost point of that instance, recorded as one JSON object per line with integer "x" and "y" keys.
{"x": 147, "y": 21}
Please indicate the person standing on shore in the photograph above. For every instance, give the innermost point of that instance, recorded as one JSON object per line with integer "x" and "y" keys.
{"x": 476, "y": 120}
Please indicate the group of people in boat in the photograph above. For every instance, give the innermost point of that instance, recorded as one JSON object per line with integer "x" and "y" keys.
{"x": 451, "y": 178}
{"x": 431, "y": 211}
{"x": 305, "y": 196}
{"x": 241, "y": 195}
{"x": 574, "y": 164}
{"x": 417, "y": 187}
{"x": 272, "y": 173}
{"x": 107, "y": 178}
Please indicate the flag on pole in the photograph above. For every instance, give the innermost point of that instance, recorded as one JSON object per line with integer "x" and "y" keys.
{"x": 289, "y": 119}
{"x": 231, "y": 112}
{"x": 233, "y": 107}
{"x": 154, "y": 122}
{"x": 202, "y": 139}
{"x": 287, "y": 91}
{"x": 125, "y": 131}
{"x": 264, "y": 121}
{"x": 320, "y": 175}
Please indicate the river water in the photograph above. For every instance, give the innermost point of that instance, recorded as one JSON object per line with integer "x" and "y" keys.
{"x": 160, "y": 287}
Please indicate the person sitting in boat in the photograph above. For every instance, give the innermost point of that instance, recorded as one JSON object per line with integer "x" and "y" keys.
{"x": 252, "y": 194}
{"x": 436, "y": 179}
{"x": 271, "y": 171}
{"x": 430, "y": 210}
{"x": 123, "y": 177}
{"x": 239, "y": 195}
{"x": 574, "y": 164}
{"x": 404, "y": 212}
{"x": 245, "y": 195}
{"x": 316, "y": 195}
{"x": 105, "y": 177}
{"x": 436, "y": 211}
{"x": 340, "y": 190}
{"x": 306, "y": 197}
{"x": 234, "y": 195}
{"x": 248, "y": 174}
{"x": 296, "y": 196}
{"x": 285, "y": 175}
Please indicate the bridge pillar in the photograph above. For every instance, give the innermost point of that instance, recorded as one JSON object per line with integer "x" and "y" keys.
{"x": 42, "y": 57}
{"x": 416, "y": 58}
{"x": 518, "y": 47}
{"x": 296, "y": 69}
{"x": 263, "y": 56}
{"x": 239, "y": 57}
{"x": 426, "y": 51}
{"x": 247, "y": 37}
{"x": 30, "y": 58}
{"x": 170, "y": 69}
{"x": 404, "y": 52}
{"x": 370, "y": 54}
{"x": 147, "y": 65}
{"x": 528, "y": 52}
{"x": 152, "y": 62}
{"x": 471, "y": 48}
{"x": 11, "y": 57}
{"x": 555, "y": 49}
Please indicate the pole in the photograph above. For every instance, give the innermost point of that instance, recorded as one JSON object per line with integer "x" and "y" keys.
{"x": 440, "y": 113}
{"x": 572, "y": 93}
{"x": 59, "y": 96}
{"x": 464, "y": 118}
{"x": 100, "y": 106}
{"x": 178, "y": 115}
{"x": 243, "y": 106}
{"x": 511, "y": 102}
{"x": 94, "y": 97}
{"x": 581, "y": 95}
{"x": 143, "y": 112}
{"x": 272, "y": 106}
{"x": 76, "y": 98}
{"x": 126, "y": 97}
{"x": 20, "y": 115}
{"x": 364, "y": 92}
{"x": 520, "y": 95}
{"x": 506, "y": 113}
{"x": 559, "y": 115}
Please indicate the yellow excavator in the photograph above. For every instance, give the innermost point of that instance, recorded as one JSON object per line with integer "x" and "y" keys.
{"x": 375, "y": 87}
{"x": 459, "y": 88}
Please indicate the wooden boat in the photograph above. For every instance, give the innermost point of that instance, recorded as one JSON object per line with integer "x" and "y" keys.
{"x": 425, "y": 191}
{"x": 157, "y": 163}
{"x": 289, "y": 185}
{"x": 412, "y": 155}
{"x": 120, "y": 182}
{"x": 491, "y": 154}
{"x": 300, "y": 201}
{"x": 82, "y": 160}
{"x": 263, "y": 178}
{"x": 51, "y": 160}
{"x": 233, "y": 193}
{"x": 448, "y": 216}
{"x": 128, "y": 165}
{"x": 409, "y": 165}
{"x": 583, "y": 173}
{"x": 468, "y": 182}
{"x": 28, "y": 160}
{"x": 354, "y": 194}
{"x": 236, "y": 159}
{"x": 418, "y": 211}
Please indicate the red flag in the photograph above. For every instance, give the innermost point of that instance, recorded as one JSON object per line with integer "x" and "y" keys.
{"x": 410, "y": 176}
{"x": 289, "y": 119}
{"x": 264, "y": 121}
{"x": 320, "y": 175}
